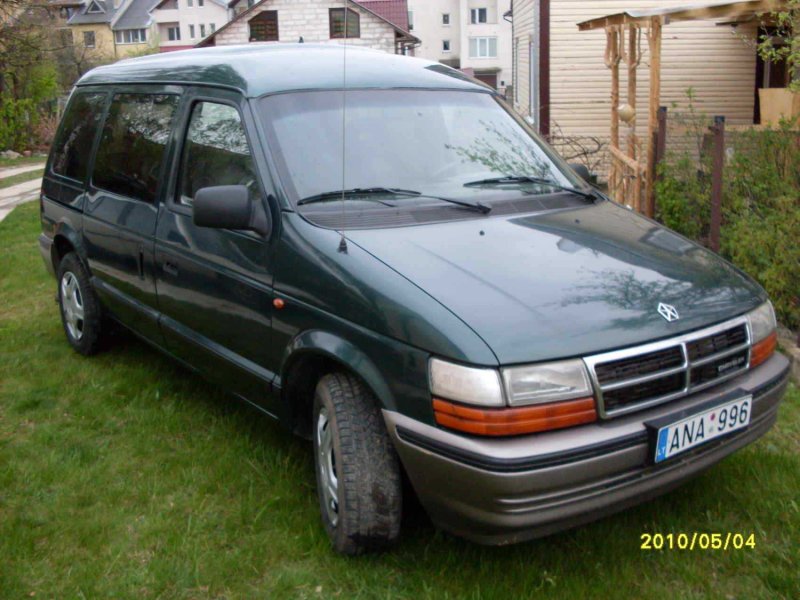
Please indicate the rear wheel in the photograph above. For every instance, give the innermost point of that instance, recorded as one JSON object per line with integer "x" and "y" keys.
{"x": 358, "y": 473}
{"x": 81, "y": 313}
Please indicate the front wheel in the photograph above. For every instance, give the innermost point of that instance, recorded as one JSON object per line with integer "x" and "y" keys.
{"x": 358, "y": 473}
{"x": 81, "y": 313}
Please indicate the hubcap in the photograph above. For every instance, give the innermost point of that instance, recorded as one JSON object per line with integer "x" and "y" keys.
{"x": 326, "y": 463}
{"x": 72, "y": 305}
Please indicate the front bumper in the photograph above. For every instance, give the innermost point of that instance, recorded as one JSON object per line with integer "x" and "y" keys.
{"x": 499, "y": 491}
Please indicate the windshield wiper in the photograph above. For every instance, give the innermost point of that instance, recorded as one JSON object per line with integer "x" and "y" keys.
{"x": 372, "y": 191}
{"x": 511, "y": 179}
{"x": 337, "y": 194}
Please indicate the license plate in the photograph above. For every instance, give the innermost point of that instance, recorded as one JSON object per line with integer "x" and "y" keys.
{"x": 698, "y": 429}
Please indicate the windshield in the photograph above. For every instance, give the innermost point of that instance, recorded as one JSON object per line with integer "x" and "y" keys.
{"x": 433, "y": 142}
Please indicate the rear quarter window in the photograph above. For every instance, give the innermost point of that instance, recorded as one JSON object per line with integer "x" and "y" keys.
{"x": 73, "y": 146}
{"x": 132, "y": 144}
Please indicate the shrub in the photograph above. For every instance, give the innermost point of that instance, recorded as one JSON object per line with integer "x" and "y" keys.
{"x": 17, "y": 118}
{"x": 760, "y": 207}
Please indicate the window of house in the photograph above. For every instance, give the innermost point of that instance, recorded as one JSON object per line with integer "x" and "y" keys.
{"x": 94, "y": 7}
{"x": 411, "y": 20}
{"x": 215, "y": 151}
{"x": 212, "y": 27}
{"x": 337, "y": 26}
{"x": 446, "y": 19}
{"x": 130, "y": 36}
{"x": 264, "y": 27}
{"x": 76, "y": 136}
{"x": 199, "y": 2}
{"x": 191, "y": 31}
{"x": 477, "y": 15}
{"x": 483, "y": 47}
{"x": 189, "y": 3}
{"x": 174, "y": 33}
{"x": 202, "y": 30}
{"x": 88, "y": 39}
{"x": 445, "y": 45}
{"x": 131, "y": 151}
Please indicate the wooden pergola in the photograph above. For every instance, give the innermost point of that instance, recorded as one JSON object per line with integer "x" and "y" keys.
{"x": 632, "y": 171}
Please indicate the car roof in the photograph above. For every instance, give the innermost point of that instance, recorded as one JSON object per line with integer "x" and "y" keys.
{"x": 257, "y": 69}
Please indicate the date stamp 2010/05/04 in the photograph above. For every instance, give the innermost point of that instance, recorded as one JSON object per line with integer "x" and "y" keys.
{"x": 698, "y": 541}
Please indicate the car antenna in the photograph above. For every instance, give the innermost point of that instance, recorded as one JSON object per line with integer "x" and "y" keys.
{"x": 343, "y": 240}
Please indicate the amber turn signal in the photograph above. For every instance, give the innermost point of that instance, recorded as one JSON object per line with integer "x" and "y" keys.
{"x": 514, "y": 421}
{"x": 762, "y": 350}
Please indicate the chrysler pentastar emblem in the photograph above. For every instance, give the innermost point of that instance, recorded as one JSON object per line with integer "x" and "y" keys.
{"x": 669, "y": 312}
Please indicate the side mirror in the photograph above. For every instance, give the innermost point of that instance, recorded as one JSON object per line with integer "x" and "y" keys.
{"x": 229, "y": 207}
{"x": 583, "y": 171}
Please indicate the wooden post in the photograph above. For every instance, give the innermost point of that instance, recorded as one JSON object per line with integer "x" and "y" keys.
{"x": 633, "y": 63}
{"x": 654, "y": 41}
{"x": 661, "y": 136}
{"x": 612, "y": 62}
{"x": 659, "y": 142}
{"x": 716, "y": 181}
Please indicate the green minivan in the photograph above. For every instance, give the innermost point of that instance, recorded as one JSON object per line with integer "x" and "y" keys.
{"x": 402, "y": 271}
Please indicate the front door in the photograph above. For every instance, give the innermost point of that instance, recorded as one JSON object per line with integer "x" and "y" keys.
{"x": 121, "y": 207}
{"x": 215, "y": 285}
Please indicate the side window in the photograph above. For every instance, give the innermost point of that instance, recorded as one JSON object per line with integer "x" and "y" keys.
{"x": 215, "y": 152}
{"x": 73, "y": 147}
{"x": 132, "y": 145}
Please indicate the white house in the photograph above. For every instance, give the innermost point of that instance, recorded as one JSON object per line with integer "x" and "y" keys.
{"x": 180, "y": 24}
{"x": 471, "y": 35}
{"x": 312, "y": 21}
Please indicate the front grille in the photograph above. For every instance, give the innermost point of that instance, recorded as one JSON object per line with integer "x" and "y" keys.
{"x": 714, "y": 344}
{"x": 652, "y": 362}
{"x": 634, "y": 378}
{"x": 642, "y": 391}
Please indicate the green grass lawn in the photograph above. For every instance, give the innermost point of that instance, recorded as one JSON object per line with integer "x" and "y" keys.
{"x": 22, "y": 161}
{"x": 20, "y": 178}
{"x": 123, "y": 475}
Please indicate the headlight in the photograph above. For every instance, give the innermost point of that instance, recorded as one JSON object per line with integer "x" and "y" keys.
{"x": 548, "y": 382}
{"x": 764, "y": 337}
{"x": 762, "y": 322}
{"x": 469, "y": 385}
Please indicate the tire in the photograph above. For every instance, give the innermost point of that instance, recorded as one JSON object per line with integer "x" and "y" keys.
{"x": 81, "y": 311}
{"x": 352, "y": 444}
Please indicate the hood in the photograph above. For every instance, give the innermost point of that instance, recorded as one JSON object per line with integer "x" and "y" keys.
{"x": 567, "y": 283}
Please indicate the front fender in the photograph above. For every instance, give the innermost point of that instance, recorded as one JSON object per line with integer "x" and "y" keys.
{"x": 336, "y": 348}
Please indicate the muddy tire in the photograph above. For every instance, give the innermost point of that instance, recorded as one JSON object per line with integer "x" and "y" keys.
{"x": 81, "y": 312}
{"x": 358, "y": 473}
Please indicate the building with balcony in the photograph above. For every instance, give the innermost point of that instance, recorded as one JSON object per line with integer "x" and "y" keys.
{"x": 471, "y": 35}
{"x": 180, "y": 24}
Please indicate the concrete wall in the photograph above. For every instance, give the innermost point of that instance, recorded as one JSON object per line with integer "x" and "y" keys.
{"x": 309, "y": 19}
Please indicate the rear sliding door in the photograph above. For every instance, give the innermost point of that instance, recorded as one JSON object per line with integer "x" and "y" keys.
{"x": 122, "y": 203}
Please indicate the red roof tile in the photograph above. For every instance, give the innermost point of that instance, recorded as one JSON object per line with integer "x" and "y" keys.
{"x": 394, "y": 11}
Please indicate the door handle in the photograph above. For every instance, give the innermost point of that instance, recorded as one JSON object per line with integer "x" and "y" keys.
{"x": 140, "y": 259}
{"x": 170, "y": 269}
